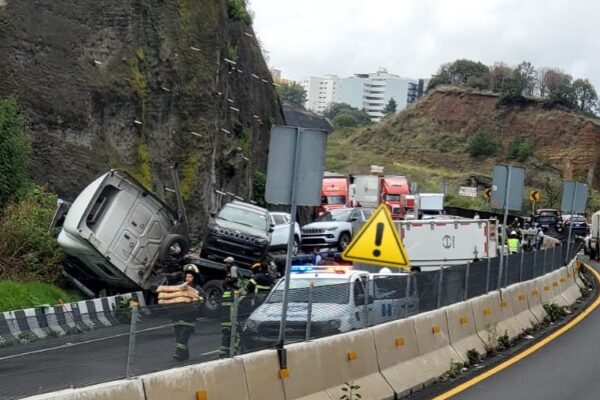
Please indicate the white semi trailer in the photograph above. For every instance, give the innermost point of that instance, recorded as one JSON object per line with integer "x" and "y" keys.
{"x": 432, "y": 243}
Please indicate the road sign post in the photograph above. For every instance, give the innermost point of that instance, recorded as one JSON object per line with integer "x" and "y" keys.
{"x": 296, "y": 159}
{"x": 574, "y": 199}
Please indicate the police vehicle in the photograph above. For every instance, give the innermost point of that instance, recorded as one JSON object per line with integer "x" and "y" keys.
{"x": 341, "y": 299}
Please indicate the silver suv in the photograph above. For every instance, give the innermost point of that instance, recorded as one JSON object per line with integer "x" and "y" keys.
{"x": 335, "y": 228}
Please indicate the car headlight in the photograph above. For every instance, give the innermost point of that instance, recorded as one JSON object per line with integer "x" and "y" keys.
{"x": 251, "y": 326}
{"x": 332, "y": 229}
{"x": 334, "y": 324}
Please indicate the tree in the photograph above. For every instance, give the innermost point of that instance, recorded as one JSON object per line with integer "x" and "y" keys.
{"x": 483, "y": 144}
{"x": 292, "y": 93}
{"x": 500, "y": 73}
{"x": 520, "y": 148}
{"x": 462, "y": 70}
{"x": 345, "y": 121}
{"x": 335, "y": 109}
{"x": 14, "y": 151}
{"x": 391, "y": 107}
{"x": 586, "y": 97}
{"x": 526, "y": 75}
{"x": 543, "y": 81}
{"x": 560, "y": 87}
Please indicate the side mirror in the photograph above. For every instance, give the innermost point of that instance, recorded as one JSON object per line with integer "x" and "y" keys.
{"x": 353, "y": 219}
{"x": 359, "y": 300}
{"x": 213, "y": 214}
{"x": 271, "y": 228}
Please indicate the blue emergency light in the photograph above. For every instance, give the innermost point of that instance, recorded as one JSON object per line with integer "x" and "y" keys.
{"x": 302, "y": 268}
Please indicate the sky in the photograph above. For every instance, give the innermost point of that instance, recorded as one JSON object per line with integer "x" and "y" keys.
{"x": 412, "y": 38}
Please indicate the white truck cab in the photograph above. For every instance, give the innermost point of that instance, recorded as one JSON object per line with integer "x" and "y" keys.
{"x": 341, "y": 299}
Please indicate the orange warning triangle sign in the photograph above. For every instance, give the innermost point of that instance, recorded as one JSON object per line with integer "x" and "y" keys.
{"x": 378, "y": 242}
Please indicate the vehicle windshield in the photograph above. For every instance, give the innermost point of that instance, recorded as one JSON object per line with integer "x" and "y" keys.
{"x": 547, "y": 213}
{"x": 335, "y": 215}
{"x": 392, "y": 197}
{"x": 334, "y": 199}
{"x": 336, "y": 291}
{"x": 244, "y": 217}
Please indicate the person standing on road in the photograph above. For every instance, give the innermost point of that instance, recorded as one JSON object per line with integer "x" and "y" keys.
{"x": 539, "y": 238}
{"x": 231, "y": 284}
{"x": 261, "y": 283}
{"x": 513, "y": 243}
{"x": 185, "y": 299}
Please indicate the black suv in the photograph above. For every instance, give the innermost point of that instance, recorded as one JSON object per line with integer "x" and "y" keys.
{"x": 548, "y": 218}
{"x": 239, "y": 230}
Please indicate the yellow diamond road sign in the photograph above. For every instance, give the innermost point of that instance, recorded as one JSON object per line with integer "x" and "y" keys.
{"x": 534, "y": 195}
{"x": 378, "y": 242}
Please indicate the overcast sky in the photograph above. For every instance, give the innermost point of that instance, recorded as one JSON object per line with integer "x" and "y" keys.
{"x": 413, "y": 37}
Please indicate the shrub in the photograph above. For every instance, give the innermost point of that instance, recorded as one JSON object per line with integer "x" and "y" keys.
{"x": 237, "y": 11}
{"x": 554, "y": 312}
{"x": 503, "y": 341}
{"x": 520, "y": 148}
{"x": 456, "y": 369}
{"x": 14, "y": 150}
{"x": 483, "y": 144}
{"x": 258, "y": 188}
{"x": 345, "y": 121}
{"x": 473, "y": 356}
{"x": 28, "y": 250}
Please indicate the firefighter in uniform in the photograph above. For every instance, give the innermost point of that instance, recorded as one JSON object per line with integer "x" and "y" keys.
{"x": 231, "y": 284}
{"x": 184, "y": 300}
{"x": 261, "y": 283}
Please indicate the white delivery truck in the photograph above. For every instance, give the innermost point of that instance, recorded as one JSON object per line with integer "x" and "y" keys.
{"x": 366, "y": 190}
{"x": 592, "y": 241}
{"x": 436, "y": 242}
{"x": 429, "y": 204}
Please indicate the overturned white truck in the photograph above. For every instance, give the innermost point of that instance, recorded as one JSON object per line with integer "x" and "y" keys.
{"x": 119, "y": 237}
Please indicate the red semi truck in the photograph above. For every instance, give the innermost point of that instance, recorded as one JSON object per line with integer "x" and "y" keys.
{"x": 372, "y": 190}
{"x": 334, "y": 193}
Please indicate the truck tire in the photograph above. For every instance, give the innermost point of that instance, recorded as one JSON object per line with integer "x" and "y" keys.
{"x": 343, "y": 241}
{"x": 172, "y": 240}
{"x": 213, "y": 291}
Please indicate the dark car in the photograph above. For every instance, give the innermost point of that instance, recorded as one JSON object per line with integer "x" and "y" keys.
{"x": 580, "y": 225}
{"x": 239, "y": 230}
{"x": 548, "y": 218}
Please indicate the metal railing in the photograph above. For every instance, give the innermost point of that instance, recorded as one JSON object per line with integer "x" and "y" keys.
{"x": 138, "y": 341}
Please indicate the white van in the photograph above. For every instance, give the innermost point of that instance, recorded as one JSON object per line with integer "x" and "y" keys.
{"x": 340, "y": 303}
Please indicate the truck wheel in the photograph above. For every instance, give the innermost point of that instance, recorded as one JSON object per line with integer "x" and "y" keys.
{"x": 213, "y": 291}
{"x": 173, "y": 246}
{"x": 343, "y": 241}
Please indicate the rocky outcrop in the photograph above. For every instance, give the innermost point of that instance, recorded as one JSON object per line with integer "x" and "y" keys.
{"x": 140, "y": 85}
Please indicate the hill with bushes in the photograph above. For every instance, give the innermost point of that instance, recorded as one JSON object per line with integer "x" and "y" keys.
{"x": 456, "y": 135}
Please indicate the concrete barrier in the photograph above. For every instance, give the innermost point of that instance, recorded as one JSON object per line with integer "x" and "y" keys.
{"x": 516, "y": 296}
{"x": 263, "y": 375}
{"x": 214, "y": 380}
{"x": 570, "y": 290}
{"x": 550, "y": 291}
{"x": 399, "y": 358}
{"x": 433, "y": 340}
{"x": 461, "y": 327}
{"x": 119, "y": 390}
{"x": 490, "y": 319}
{"x": 306, "y": 380}
{"x": 576, "y": 267}
{"x": 534, "y": 298}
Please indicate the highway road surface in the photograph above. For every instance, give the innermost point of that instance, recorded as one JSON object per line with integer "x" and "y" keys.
{"x": 567, "y": 367}
{"x": 98, "y": 356}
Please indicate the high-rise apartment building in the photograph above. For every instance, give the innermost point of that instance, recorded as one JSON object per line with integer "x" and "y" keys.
{"x": 369, "y": 91}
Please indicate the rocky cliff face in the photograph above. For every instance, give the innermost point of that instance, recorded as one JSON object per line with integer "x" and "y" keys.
{"x": 434, "y": 132}
{"x": 140, "y": 85}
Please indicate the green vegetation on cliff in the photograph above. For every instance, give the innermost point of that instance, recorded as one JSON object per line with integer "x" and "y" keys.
{"x": 19, "y": 295}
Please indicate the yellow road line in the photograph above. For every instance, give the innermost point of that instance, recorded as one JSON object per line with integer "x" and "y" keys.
{"x": 472, "y": 382}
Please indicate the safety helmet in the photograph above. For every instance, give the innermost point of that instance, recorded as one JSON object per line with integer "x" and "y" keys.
{"x": 191, "y": 268}
{"x": 228, "y": 260}
{"x": 385, "y": 271}
{"x": 255, "y": 265}
{"x": 514, "y": 233}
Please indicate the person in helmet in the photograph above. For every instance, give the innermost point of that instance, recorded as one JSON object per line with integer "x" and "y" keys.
{"x": 184, "y": 300}
{"x": 513, "y": 242}
{"x": 261, "y": 283}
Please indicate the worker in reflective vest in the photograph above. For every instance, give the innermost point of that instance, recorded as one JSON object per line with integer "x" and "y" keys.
{"x": 513, "y": 242}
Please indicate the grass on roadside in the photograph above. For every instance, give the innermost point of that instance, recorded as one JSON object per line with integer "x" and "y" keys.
{"x": 18, "y": 295}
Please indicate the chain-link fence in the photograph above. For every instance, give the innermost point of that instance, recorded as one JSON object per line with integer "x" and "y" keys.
{"x": 89, "y": 348}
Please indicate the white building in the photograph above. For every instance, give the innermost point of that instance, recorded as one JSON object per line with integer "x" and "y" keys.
{"x": 369, "y": 91}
